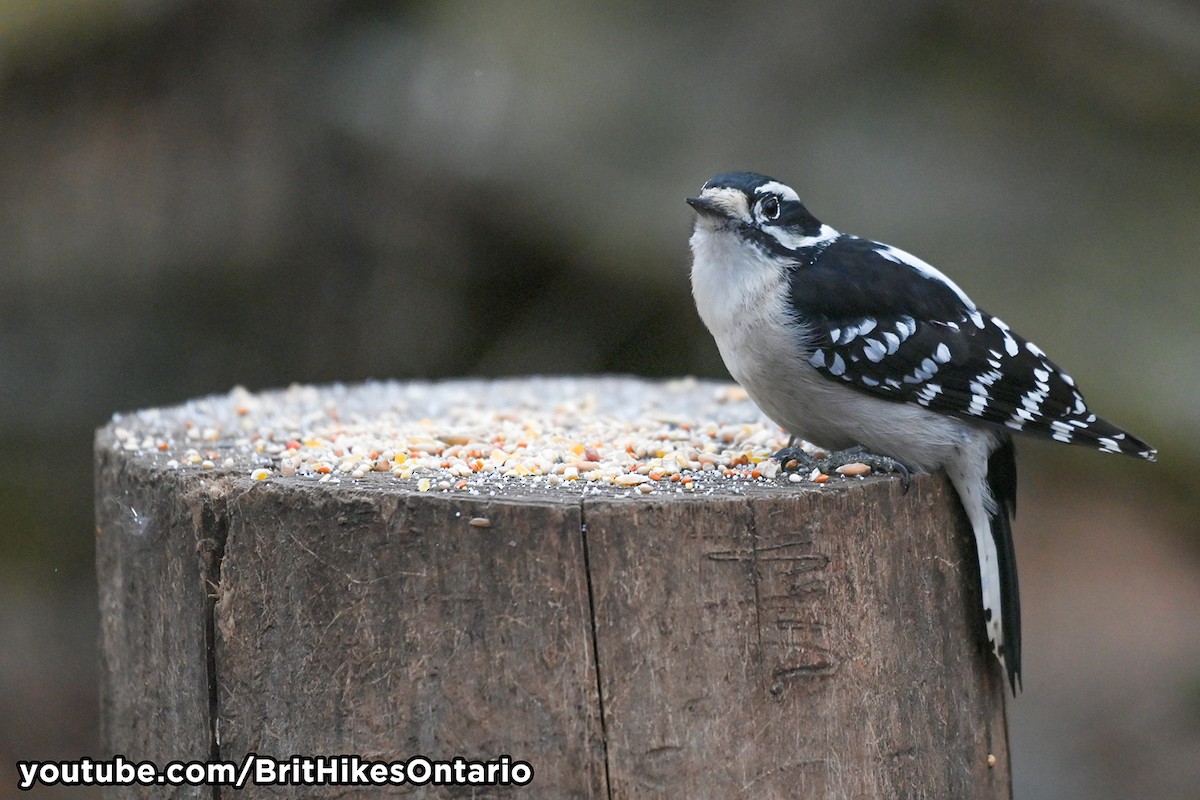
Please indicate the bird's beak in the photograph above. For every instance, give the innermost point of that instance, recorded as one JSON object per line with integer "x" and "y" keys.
{"x": 706, "y": 206}
{"x": 721, "y": 203}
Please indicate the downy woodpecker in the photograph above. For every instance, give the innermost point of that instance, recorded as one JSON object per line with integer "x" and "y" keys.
{"x": 849, "y": 343}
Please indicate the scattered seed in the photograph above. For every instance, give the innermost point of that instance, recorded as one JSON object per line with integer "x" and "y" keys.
{"x": 630, "y": 479}
{"x": 854, "y": 469}
{"x": 479, "y": 522}
{"x": 445, "y": 437}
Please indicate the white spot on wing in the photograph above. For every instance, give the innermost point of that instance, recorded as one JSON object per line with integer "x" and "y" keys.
{"x": 1010, "y": 344}
{"x": 1032, "y": 400}
{"x": 919, "y": 376}
{"x": 942, "y": 353}
{"x": 1062, "y": 431}
{"x": 979, "y": 400}
{"x": 838, "y": 367}
{"x": 874, "y": 350}
{"x": 927, "y": 393}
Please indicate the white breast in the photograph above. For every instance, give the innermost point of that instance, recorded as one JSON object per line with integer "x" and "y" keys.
{"x": 742, "y": 296}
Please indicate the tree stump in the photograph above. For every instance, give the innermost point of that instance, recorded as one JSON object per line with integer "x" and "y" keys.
{"x": 705, "y": 633}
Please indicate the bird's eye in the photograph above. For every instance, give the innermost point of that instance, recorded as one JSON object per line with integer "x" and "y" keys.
{"x": 770, "y": 208}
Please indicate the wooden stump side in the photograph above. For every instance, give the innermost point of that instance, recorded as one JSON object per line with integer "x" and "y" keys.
{"x": 384, "y": 624}
{"x": 154, "y": 541}
{"x": 795, "y": 646}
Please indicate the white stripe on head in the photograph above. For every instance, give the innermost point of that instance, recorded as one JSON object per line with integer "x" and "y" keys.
{"x": 793, "y": 242}
{"x": 775, "y": 187}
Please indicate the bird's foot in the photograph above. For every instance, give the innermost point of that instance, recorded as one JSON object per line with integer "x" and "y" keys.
{"x": 859, "y": 455}
{"x": 794, "y": 459}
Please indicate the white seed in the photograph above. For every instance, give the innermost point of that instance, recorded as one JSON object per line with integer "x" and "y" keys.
{"x": 630, "y": 479}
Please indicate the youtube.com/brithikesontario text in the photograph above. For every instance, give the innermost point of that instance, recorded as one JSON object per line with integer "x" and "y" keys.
{"x": 343, "y": 770}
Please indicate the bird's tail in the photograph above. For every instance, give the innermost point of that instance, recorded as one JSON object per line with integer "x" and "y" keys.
{"x": 987, "y": 486}
{"x": 1002, "y": 481}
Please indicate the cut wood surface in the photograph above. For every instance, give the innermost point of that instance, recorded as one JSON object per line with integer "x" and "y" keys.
{"x": 744, "y": 637}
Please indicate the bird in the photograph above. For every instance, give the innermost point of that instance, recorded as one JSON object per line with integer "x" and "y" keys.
{"x": 864, "y": 349}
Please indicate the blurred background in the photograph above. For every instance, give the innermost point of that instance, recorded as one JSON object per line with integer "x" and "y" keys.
{"x": 196, "y": 194}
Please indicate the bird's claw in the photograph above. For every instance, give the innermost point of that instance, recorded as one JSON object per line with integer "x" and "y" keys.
{"x": 793, "y": 458}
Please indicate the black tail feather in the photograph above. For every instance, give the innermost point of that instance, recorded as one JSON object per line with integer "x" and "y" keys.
{"x": 1002, "y": 480}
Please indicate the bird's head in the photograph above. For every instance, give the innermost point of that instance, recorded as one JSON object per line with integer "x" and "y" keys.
{"x": 757, "y": 209}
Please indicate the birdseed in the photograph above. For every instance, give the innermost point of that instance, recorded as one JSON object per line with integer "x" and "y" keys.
{"x": 482, "y": 437}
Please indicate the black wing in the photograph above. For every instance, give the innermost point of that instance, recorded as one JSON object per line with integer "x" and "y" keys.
{"x": 906, "y": 333}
